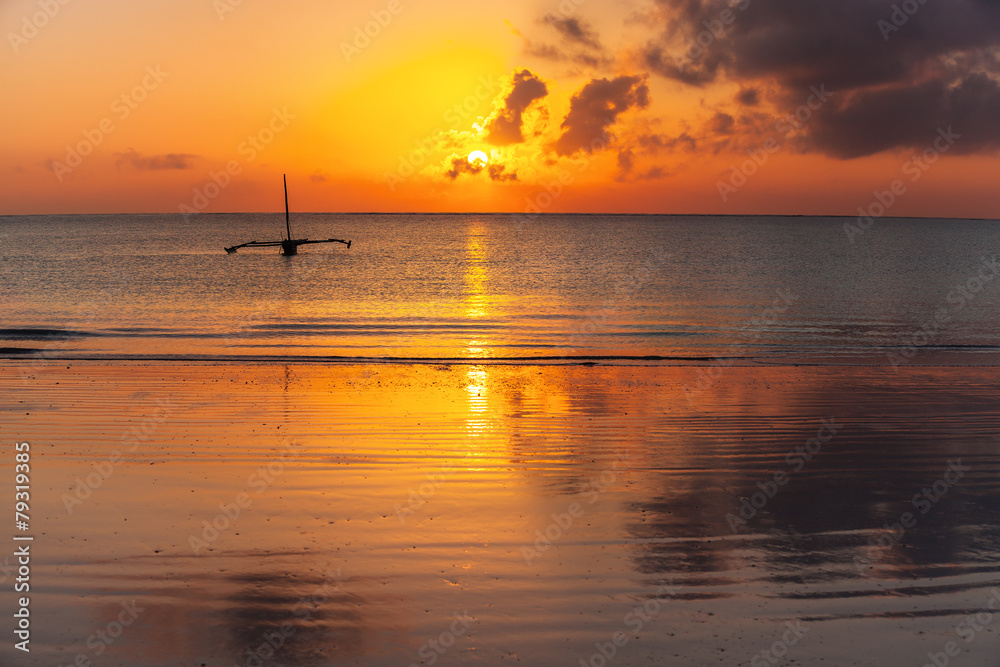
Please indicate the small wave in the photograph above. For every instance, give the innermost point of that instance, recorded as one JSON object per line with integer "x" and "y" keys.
{"x": 579, "y": 360}
{"x": 436, "y": 326}
{"x": 43, "y": 334}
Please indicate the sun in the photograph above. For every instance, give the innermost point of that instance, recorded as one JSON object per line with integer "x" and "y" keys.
{"x": 478, "y": 156}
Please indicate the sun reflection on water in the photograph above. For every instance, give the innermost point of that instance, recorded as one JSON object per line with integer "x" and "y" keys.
{"x": 477, "y": 423}
{"x": 477, "y": 300}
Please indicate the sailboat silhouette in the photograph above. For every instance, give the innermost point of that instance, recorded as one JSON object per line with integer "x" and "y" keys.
{"x": 289, "y": 246}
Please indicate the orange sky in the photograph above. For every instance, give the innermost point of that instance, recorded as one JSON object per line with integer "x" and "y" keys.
{"x": 168, "y": 99}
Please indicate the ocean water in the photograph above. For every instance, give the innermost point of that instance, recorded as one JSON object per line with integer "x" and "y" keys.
{"x": 661, "y": 289}
{"x": 669, "y": 440}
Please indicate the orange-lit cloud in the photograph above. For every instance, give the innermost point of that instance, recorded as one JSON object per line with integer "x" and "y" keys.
{"x": 504, "y": 127}
{"x": 645, "y": 108}
{"x": 595, "y": 108}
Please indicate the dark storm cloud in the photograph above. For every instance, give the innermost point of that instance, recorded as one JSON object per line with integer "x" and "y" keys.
{"x": 896, "y": 73}
{"x": 505, "y": 127}
{"x": 595, "y": 108}
{"x": 135, "y": 159}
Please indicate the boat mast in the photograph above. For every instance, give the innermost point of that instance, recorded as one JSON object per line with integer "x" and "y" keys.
{"x": 288, "y": 246}
{"x": 288, "y": 227}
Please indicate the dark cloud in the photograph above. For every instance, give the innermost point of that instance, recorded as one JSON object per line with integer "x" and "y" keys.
{"x": 575, "y": 30}
{"x": 546, "y": 51}
{"x": 722, "y": 123}
{"x": 461, "y": 165}
{"x": 654, "y": 173}
{"x": 318, "y": 176}
{"x": 626, "y": 161}
{"x": 748, "y": 97}
{"x": 556, "y": 54}
{"x": 656, "y": 59}
{"x": 895, "y": 76}
{"x": 505, "y": 127}
{"x": 497, "y": 173}
{"x": 655, "y": 143}
{"x": 747, "y": 129}
{"x": 137, "y": 160}
{"x": 595, "y": 108}
{"x": 628, "y": 172}
{"x": 909, "y": 117}
{"x": 580, "y": 43}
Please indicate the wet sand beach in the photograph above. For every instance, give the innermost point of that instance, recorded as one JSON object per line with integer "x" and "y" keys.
{"x": 390, "y": 514}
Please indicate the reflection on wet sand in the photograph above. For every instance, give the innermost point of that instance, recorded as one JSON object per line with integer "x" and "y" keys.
{"x": 293, "y": 619}
{"x": 541, "y": 504}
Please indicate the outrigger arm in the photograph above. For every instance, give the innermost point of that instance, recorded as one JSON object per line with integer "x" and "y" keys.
{"x": 307, "y": 241}
{"x": 283, "y": 244}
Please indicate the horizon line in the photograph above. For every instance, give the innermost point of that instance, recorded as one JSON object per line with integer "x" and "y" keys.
{"x": 508, "y": 213}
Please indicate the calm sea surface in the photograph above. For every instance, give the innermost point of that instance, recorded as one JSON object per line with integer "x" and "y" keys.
{"x": 209, "y": 489}
{"x": 500, "y": 287}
